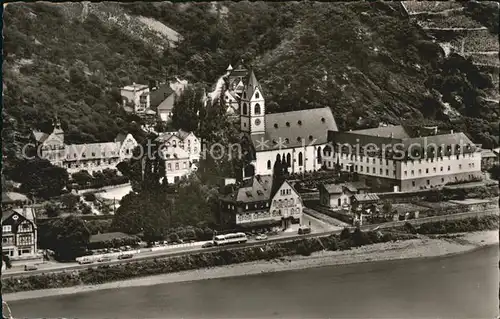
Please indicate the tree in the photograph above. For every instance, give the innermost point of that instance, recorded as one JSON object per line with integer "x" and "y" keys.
{"x": 70, "y": 200}
{"x": 387, "y": 208}
{"x": 279, "y": 174}
{"x": 82, "y": 178}
{"x": 52, "y": 210}
{"x": 186, "y": 112}
{"x": 40, "y": 178}
{"x": 495, "y": 172}
{"x": 68, "y": 237}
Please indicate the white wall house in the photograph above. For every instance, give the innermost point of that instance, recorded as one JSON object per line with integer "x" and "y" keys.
{"x": 138, "y": 95}
{"x": 416, "y": 162}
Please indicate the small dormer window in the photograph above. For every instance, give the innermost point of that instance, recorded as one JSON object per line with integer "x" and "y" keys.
{"x": 275, "y": 125}
{"x": 310, "y": 137}
{"x": 244, "y": 95}
{"x": 274, "y": 142}
{"x": 287, "y": 140}
{"x": 299, "y": 122}
{"x": 288, "y": 124}
{"x": 323, "y": 120}
{"x": 93, "y": 154}
{"x": 257, "y": 95}
{"x": 299, "y": 139}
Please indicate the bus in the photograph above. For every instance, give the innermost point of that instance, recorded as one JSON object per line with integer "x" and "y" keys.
{"x": 227, "y": 239}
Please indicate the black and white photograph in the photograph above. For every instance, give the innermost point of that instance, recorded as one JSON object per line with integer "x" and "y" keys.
{"x": 250, "y": 159}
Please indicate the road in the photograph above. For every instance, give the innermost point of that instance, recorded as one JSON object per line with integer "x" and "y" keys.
{"x": 284, "y": 237}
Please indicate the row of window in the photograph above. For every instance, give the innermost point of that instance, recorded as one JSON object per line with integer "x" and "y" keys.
{"x": 434, "y": 169}
{"x": 91, "y": 163}
{"x": 374, "y": 171}
{"x": 256, "y": 109}
{"x": 282, "y": 203}
{"x": 285, "y": 192}
{"x": 177, "y": 166}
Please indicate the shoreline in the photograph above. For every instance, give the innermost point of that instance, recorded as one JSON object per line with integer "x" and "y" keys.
{"x": 408, "y": 249}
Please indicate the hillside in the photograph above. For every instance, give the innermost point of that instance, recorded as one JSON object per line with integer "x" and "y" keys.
{"x": 369, "y": 62}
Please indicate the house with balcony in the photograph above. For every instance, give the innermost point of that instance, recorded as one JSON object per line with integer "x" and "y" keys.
{"x": 19, "y": 235}
{"x": 253, "y": 205}
{"x": 136, "y": 96}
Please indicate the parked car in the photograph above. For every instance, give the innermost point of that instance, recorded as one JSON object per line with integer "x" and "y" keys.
{"x": 304, "y": 230}
{"x": 86, "y": 261}
{"x": 30, "y": 267}
{"x": 272, "y": 233}
{"x": 104, "y": 259}
{"x": 208, "y": 245}
{"x": 125, "y": 256}
{"x": 261, "y": 237}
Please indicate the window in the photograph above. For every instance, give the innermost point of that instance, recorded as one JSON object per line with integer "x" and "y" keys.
{"x": 288, "y": 124}
{"x": 428, "y": 182}
{"x": 361, "y": 168}
{"x": 449, "y": 168}
{"x": 299, "y": 122}
{"x": 387, "y": 172}
{"x": 380, "y": 161}
{"x": 412, "y": 173}
{"x": 373, "y": 161}
{"x": 7, "y": 240}
{"x": 419, "y": 171}
{"x": 268, "y": 164}
{"x": 6, "y": 228}
{"x": 441, "y": 169}
{"x": 184, "y": 165}
{"x": 256, "y": 109}
{"x": 169, "y": 166}
{"x": 373, "y": 170}
{"x": 442, "y": 180}
{"x": 300, "y": 159}
{"x": 245, "y": 109}
{"x": 434, "y": 169}
{"x": 427, "y": 171}
{"x": 406, "y": 173}
{"x": 368, "y": 160}
{"x": 381, "y": 172}
{"x": 459, "y": 166}
{"x": 176, "y": 166}
{"x": 413, "y": 184}
{"x": 25, "y": 240}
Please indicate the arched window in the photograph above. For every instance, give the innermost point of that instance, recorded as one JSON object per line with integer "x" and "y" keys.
{"x": 300, "y": 159}
{"x": 257, "y": 95}
{"x": 288, "y": 159}
{"x": 278, "y": 157}
{"x": 268, "y": 164}
{"x": 245, "y": 109}
{"x": 319, "y": 155}
{"x": 257, "y": 109}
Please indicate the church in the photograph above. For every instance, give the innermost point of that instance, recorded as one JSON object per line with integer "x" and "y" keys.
{"x": 296, "y": 137}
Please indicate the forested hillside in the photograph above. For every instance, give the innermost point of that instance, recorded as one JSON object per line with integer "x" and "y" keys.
{"x": 366, "y": 60}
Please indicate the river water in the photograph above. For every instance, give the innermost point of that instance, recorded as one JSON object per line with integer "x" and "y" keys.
{"x": 459, "y": 286}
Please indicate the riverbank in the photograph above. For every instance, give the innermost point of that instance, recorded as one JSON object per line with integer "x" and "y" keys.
{"x": 413, "y": 248}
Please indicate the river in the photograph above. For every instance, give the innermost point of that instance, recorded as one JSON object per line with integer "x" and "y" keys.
{"x": 458, "y": 286}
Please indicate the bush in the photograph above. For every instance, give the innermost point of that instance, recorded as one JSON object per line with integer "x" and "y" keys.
{"x": 345, "y": 234}
{"x": 89, "y": 197}
{"x": 410, "y": 228}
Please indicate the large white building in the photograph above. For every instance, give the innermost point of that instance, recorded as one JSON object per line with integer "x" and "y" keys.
{"x": 297, "y": 137}
{"x": 91, "y": 157}
{"x": 414, "y": 158}
{"x": 181, "y": 151}
{"x": 137, "y": 95}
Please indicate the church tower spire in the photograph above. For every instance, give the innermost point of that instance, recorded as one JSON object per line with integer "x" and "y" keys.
{"x": 252, "y": 107}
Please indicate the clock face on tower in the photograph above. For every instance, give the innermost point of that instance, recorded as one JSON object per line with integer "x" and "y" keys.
{"x": 257, "y": 122}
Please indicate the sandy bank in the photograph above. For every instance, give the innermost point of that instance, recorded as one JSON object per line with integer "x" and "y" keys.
{"x": 416, "y": 248}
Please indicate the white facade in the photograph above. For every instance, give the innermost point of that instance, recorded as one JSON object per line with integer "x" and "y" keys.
{"x": 138, "y": 95}
{"x": 302, "y": 159}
